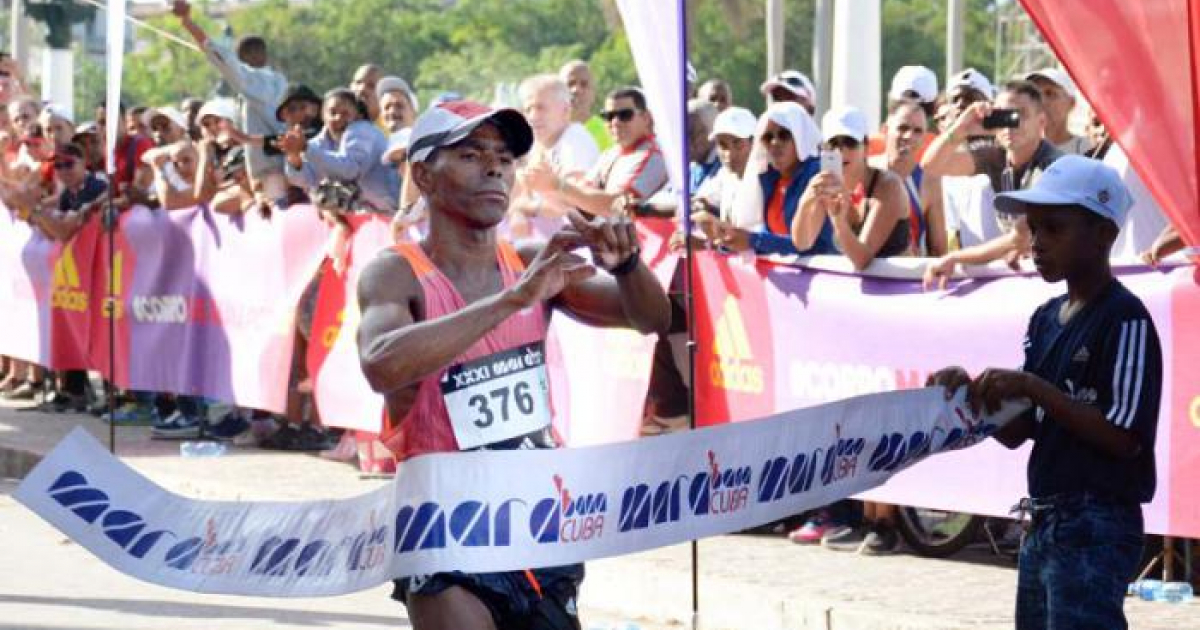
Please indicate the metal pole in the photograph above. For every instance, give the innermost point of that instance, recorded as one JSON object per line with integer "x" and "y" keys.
{"x": 823, "y": 54}
{"x": 955, "y": 12}
{"x": 774, "y": 37}
{"x": 686, "y": 212}
{"x": 20, "y": 37}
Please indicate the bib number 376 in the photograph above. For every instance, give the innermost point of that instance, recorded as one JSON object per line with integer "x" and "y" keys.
{"x": 498, "y": 397}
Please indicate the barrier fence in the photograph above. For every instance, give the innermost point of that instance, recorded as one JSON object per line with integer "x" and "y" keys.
{"x": 206, "y": 306}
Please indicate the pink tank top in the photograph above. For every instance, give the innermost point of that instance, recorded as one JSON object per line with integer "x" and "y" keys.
{"x": 426, "y": 428}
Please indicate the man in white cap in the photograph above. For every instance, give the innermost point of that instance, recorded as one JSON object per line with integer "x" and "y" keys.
{"x": 464, "y": 298}
{"x": 1058, "y": 99}
{"x": 398, "y": 104}
{"x": 167, "y": 125}
{"x": 916, "y": 84}
{"x": 1093, "y": 372}
{"x": 733, "y": 134}
{"x": 791, "y": 85}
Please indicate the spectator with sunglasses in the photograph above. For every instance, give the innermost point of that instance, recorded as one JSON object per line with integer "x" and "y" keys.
{"x": 791, "y": 86}
{"x": 782, "y": 163}
{"x": 82, "y": 191}
{"x": 867, "y": 206}
{"x": 626, "y": 174}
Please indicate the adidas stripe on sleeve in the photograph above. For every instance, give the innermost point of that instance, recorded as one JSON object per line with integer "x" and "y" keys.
{"x": 1135, "y": 371}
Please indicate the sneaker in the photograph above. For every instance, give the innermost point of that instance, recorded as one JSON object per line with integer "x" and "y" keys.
{"x": 59, "y": 402}
{"x": 132, "y": 414}
{"x": 880, "y": 541}
{"x": 176, "y": 426}
{"x": 813, "y": 530}
{"x": 24, "y": 391}
{"x": 845, "y": 539}
{"x": 229, "y": 428}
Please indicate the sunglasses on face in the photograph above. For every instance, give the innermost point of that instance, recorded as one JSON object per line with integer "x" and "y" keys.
{"x": 843, "y": 142}
{"x": 781, "y": 135}
{"x": 63, "y": 165}
{"x": 623, "y": 115}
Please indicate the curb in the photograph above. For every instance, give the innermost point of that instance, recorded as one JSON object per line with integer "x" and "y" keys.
{"x": 16, "y": 463}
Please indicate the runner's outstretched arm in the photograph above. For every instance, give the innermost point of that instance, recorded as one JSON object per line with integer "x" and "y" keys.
{"x": 397, "y": 351}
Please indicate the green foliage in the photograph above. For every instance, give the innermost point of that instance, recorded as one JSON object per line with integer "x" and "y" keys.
{"x": 471, "y": 45}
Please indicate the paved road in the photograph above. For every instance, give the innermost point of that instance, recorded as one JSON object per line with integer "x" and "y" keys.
{"x": 748, "y": 582}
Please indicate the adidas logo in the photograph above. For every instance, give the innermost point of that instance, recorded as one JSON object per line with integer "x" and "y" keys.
{"x": 732, "y": 341}
{"x": 1081, "y": 356}
{"x": 732, "y": 368}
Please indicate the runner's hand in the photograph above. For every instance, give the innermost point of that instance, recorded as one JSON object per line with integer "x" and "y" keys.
{"x": 994, "y": 386}
{"x": 612, "y": 241}
{"x": 951, "y": 378}
{"x": 552, "y": 270}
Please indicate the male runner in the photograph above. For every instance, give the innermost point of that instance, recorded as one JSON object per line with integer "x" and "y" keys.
{"x": 1093, "y": 370}
{"x": 463, "y": 297}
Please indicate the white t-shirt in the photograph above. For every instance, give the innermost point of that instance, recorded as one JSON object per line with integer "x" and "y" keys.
{"x": 1145, "y": 219}
{"x": 721, "y": 191}
{"x": 575, "y": 151}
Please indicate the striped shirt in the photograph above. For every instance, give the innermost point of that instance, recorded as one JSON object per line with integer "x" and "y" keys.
{"x": 640, "y": 170}
{"x": 1107, "y": 355}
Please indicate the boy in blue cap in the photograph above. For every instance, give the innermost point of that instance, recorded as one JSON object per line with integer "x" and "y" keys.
{"x": 1093, "y": 371}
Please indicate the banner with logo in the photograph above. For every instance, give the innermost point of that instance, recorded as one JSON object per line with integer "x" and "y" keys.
{"x": 496, "y": 510}
{"x": 776, "y": 337}
{"x": 205, "y": 303}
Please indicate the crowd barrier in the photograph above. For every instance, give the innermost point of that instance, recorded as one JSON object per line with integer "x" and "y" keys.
{"x": 206, "y": 306}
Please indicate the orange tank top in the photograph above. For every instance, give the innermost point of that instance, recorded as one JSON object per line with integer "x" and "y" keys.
{"x": 427, "y": 428}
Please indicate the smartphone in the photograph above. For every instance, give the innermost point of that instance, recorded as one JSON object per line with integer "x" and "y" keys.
{"x": 831, "y": 162}
{"x": 1002, "y": 119}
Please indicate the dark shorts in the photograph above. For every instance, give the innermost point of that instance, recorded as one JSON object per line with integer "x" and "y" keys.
{"x": 1076, "y": 563}
{"x": 511, "y": 597}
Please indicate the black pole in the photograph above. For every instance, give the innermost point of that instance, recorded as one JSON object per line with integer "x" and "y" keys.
{"x": 110, "y": 226}
{"x": 688, "y": 293}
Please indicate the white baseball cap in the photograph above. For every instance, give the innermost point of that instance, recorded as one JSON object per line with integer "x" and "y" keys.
{"x": 914, "y": 80}
{"x": 793, "y": 81}
{"x": 170, "y": 113}
{"x": 1055, "y": 76}
{"x": 734, "y": 121}
{"x": 973, "y": 79}
{"x": 396, "y": 84}
{"x": 844, "y": 121}
{"x": 1074, "y": 179}
{"x": 220, "y": 107}
{"x": 449, "y": 122}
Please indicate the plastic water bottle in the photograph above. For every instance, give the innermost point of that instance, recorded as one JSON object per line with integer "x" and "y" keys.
{"x": 1176, "y": 592}
{"x": 202, "y": 449}
{"x": 1149, "y": 590}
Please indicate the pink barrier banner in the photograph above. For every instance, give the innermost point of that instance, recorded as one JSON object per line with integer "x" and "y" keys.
{"x": 205, "y": 304}
{"x": 774, "y": 338}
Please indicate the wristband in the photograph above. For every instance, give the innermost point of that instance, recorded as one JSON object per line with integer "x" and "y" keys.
{"x": 627, "y": 266}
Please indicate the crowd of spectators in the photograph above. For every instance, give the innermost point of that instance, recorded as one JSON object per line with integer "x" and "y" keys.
{"x": 774, "y": 184}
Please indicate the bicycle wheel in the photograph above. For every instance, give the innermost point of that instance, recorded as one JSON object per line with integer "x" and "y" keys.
{"x": 937, "y": 534}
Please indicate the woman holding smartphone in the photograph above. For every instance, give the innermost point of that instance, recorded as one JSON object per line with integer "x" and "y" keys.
{"x": 867, "y": 206}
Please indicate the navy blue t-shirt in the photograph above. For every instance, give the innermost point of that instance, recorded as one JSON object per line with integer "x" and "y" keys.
{"x": 1107, "y": 356}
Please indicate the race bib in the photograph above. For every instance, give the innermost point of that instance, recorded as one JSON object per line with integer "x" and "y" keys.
{"x": 498, "y": 397}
